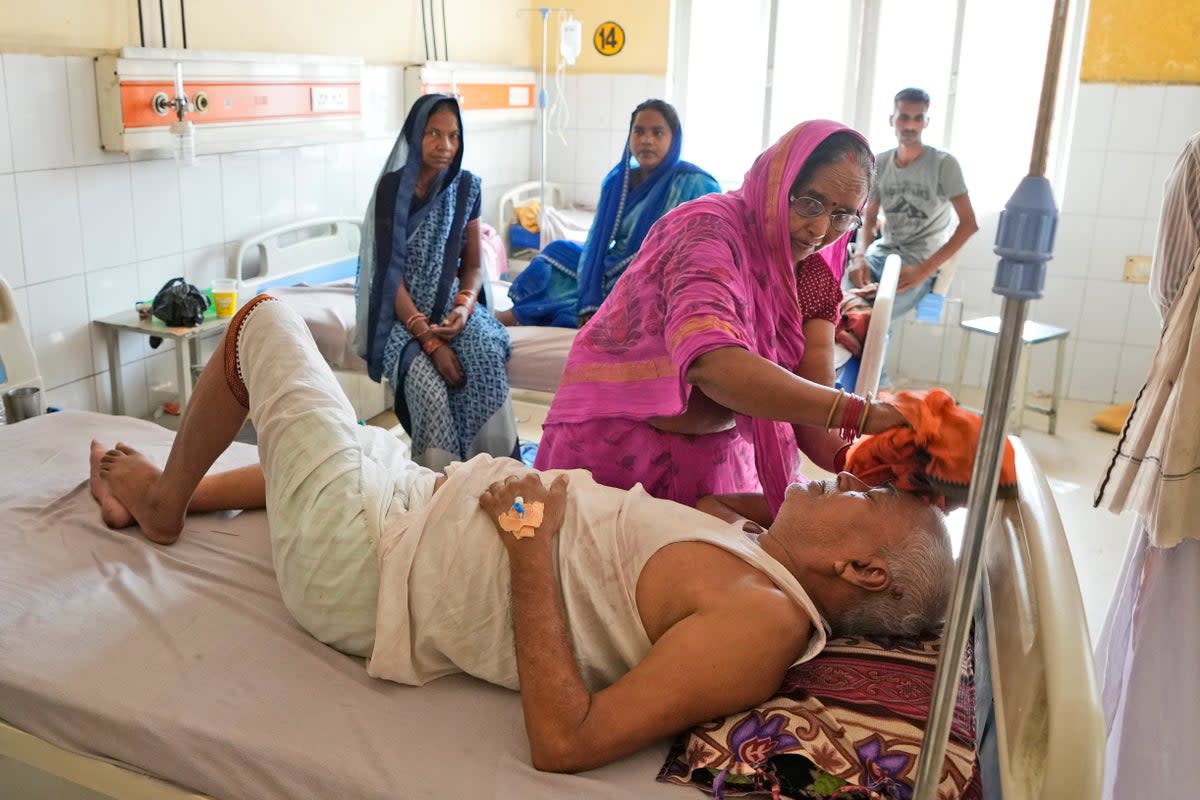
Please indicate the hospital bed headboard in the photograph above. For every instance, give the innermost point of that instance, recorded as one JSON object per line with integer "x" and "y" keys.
{"x": 1049, "y": 725}
{"x": 523, "y": 193}
{"x": 311, "y": 251}
{"x": 18, "y": 362}
{"x": 874, "y": 349}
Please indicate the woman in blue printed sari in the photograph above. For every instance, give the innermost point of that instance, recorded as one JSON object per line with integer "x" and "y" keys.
{"x": 565, "y": 284}
{"x": 418, "y": 324}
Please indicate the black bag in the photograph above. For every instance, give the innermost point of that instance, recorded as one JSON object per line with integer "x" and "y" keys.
{"x": 179, "y": 304}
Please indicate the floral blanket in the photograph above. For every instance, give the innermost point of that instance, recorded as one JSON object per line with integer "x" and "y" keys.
{"x": 846, "y": 725}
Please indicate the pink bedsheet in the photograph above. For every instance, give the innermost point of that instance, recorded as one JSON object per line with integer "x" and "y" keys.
{"x": 182, "y": 662}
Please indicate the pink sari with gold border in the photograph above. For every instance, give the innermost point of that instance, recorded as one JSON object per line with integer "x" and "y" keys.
{"x": 715, "y": 272}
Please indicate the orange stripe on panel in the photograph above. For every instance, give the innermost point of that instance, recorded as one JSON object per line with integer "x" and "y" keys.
{"x": 486, "y": 96}
{"x": 240, "y": 102}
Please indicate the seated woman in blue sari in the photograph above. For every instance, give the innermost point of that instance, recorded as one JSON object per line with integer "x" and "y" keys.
{"x": 418, "y": 324}
{"x": 565, "y": 284}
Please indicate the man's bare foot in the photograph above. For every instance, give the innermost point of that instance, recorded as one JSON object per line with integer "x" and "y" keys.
{"x": 133, "y": 481}
{"x": 112, "y": 512}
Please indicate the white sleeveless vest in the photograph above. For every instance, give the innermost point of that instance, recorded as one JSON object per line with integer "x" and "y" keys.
{"x": 444, "y": 597}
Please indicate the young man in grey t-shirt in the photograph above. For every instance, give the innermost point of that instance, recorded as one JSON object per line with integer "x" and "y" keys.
{"x": 916, "y": 187}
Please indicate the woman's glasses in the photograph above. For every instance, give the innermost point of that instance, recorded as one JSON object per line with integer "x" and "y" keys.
{"x": 810, "y": 207}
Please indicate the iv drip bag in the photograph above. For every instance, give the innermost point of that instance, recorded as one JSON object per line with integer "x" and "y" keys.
{"x": 570, "y": 41}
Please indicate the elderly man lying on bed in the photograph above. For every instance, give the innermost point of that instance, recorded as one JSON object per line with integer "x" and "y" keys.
{"x": 621, "y": 618}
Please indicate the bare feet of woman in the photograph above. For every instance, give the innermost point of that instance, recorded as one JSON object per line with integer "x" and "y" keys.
{"x": 133, "y": 481}
{"x": 112, "y": 512}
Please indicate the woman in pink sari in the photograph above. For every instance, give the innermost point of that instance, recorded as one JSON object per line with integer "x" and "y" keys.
{"x": 710, "y": 365}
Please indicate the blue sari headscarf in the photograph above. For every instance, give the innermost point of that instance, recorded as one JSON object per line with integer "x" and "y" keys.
{"x": 600, "y": 263}
{"x": 389, "y": 213}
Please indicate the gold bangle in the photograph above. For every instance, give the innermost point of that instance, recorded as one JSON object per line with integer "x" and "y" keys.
{"x": 833, "y": 408}
{"x": 868, "y": 398}
{"x": 408, "y": 323}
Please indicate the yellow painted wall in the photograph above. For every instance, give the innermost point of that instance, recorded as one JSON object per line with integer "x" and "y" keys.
{"x": 647, "y": 25}
{"x": 67, "y": 26}
{"x": 1147, "y": 41}
{"x": 379, "y": 31}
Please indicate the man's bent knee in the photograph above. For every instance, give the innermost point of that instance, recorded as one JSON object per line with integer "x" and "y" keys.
{"x": 233, "y": 375}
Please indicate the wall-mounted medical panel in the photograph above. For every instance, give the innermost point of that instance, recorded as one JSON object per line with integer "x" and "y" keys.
{"x": 488, "y": 95}
{"x": 236, "y": 100}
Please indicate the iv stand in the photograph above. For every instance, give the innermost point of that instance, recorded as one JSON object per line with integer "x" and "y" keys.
{"x": 1024, "y": 242}
{"x": 542, "y": 106}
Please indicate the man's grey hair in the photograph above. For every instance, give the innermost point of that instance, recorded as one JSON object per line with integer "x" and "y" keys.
{"x": 922, "y": 567}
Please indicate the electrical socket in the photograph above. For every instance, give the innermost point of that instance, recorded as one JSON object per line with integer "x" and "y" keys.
{"x": 1137, "y": 269}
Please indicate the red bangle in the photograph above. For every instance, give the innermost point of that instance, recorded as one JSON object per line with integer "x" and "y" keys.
{"x": 430, "y": 344}
{"x": 851, "y": 411}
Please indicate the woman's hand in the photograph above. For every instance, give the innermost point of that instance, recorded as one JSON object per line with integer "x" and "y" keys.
{"x": 452, "y": 325}
{"x": 445, "y": 361}
{"x": 501, "y": 495}
{"x": 883, "y": 416}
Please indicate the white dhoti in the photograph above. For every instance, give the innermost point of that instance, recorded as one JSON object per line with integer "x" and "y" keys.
{"x": 332, "y": 485}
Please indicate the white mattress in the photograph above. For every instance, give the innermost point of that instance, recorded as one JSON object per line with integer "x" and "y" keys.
{"x": 181, "y": 661}
{"x": 329, "y": 311}
{"x": 538, "y": 354}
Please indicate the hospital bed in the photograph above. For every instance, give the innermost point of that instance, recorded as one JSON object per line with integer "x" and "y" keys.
{"x": 567, "y": 222}
{"x": 163, "y": 673}
{"x": 861, "y": 373}
{"x": 311, "y": 265}
{"x": 171, "y": 672}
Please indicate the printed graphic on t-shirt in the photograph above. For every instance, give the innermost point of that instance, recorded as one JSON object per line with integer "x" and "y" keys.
{"x": 903, "y": 208}
{"x": 915, "y": 203}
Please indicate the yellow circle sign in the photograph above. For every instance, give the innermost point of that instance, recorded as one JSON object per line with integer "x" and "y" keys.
{"x": 609, "y": 38}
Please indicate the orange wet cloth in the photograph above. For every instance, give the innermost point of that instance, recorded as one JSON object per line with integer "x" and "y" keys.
{"x": 935, "y": 456}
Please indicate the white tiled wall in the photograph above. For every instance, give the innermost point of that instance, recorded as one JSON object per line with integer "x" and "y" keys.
{"x": 85, "y": 233}
{"x": 594, "y": 125}
{"x": 1124, "y": 142}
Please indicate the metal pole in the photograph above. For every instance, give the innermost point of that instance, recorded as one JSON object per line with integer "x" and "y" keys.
{"x": 960, "y": 14}
{"x": 980, "y": 496}
{"x": 1024, "y": 242}
{"x": 772, "y": 26}
{"x": 1041, "y": 135}
{"x": 542, "y": 105}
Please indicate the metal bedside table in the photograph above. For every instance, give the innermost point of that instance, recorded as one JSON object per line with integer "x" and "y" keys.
{"x": 1034, "y": 333}
{"x": 187, "y": 350}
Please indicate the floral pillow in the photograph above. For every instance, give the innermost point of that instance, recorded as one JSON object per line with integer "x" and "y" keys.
{"x": 846, "y": 725}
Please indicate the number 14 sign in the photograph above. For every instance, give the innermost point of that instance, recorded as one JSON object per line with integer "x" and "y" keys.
{"x": 609, "y": 38}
